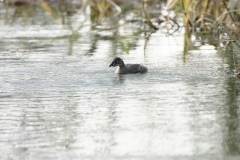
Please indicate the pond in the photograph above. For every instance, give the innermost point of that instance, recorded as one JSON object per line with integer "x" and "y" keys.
{"x": 60, "y": 99}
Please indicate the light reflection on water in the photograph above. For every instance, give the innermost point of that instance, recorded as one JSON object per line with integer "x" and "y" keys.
{"x": 61, "y": 102}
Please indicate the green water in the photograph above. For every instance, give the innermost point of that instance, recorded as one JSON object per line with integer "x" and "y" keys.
{"x": 60, "y": 100}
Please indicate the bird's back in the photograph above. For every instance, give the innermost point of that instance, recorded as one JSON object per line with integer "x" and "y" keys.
{"x": 134, "y": 68}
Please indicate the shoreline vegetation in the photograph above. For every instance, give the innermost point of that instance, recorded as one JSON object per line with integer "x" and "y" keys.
{"x": 218, "y": 18}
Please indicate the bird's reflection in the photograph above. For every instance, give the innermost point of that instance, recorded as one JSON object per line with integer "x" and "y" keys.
{"x": 119, "y": 79}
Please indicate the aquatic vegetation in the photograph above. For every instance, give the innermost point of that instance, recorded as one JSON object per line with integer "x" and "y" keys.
{"x": 217, "y": 18}
{"x": 210, "y": 17}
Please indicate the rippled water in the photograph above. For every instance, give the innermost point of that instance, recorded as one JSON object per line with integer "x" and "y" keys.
{"x": 60, "y": 100}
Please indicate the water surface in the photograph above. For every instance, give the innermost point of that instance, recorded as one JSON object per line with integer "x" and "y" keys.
{"x": 60, "y": 100}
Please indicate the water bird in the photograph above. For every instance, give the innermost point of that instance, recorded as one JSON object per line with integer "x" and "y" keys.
{"x": 127, "y": 68}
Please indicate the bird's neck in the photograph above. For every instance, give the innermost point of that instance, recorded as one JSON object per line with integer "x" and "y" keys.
{"x": 122, "y": 65}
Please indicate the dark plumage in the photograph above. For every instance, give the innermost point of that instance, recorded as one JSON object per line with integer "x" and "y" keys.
{"x": 127, "y": 68}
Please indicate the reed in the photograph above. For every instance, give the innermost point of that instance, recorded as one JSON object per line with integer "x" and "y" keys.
{"x": 210, "y": 16}
{"x": 211, "y": 13}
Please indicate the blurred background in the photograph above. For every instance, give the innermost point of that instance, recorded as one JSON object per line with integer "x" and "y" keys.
{"x": 59, "y": 98}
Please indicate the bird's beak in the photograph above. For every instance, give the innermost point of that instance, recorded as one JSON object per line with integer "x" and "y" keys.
{"x": 112, "y": 64}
